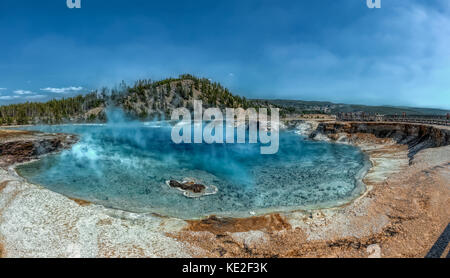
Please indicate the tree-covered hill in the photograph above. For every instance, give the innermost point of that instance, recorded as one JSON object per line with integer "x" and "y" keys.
{"x": 146, "y": 99}
{"x": 154, "y": 99}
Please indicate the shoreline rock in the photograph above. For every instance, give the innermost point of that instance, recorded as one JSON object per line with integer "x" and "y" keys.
{"x": 23, "y": 146}
{"x": 416, "y": 136}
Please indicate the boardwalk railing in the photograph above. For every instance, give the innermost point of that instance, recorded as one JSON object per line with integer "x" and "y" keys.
{"x": 431, "y": 120}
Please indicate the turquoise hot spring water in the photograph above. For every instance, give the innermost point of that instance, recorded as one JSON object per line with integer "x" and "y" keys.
{"x": 124, "y": 165}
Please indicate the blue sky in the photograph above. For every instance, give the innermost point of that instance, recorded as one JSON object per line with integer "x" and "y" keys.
{"x": 339, "y": 50}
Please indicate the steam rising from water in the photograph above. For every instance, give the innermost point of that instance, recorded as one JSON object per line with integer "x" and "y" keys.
{"x": 124, "y": 164}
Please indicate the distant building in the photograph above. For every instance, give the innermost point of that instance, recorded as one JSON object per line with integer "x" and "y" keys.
{"x": 379, "y": 118}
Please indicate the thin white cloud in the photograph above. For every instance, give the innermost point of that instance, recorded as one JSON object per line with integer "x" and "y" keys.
{"x": 62, "y": 90}
{"x": 2, "y": 89}
{"x": 35, "y": 96}
{"x": 23, "y": 92}
{"x": 8, "y": 97}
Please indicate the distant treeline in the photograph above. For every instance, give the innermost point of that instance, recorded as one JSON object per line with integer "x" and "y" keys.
{"x": 305, "y": 107}
{"x": 51, "y": 112}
